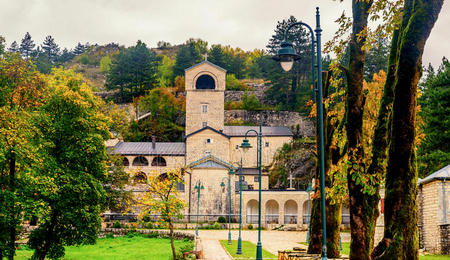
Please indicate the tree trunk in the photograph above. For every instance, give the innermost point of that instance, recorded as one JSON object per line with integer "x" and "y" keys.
{"x": 174, "y": 252}
{"x": 12, "y": 228}
{"x": 400, "y": 232}
{"x": 360, "y": 212}
{"x": 333, "y": 211}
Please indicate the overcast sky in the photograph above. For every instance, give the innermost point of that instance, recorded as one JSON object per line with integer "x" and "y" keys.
{"x": 247, "y": 24}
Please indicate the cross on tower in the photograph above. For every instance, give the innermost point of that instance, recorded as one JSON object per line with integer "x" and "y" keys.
{"x": 205, "y": 56}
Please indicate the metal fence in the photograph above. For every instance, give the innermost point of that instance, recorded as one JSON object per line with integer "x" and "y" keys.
{"x": 252, "y": 218}
{"x": 272, "y": 218}
{"x": 306, "y": 218}
{"x": 290, "y": 218}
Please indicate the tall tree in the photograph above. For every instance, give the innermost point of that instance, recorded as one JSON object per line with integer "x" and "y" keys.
{"x": 434, "y": 150}
{"x": 377, "y": 57}
{"x": 26, "y": 46}
{"x": 189, "y": 54}
{"x": 21, "y": 93}
{"x": 80, "y": 48}
{"x": 50, "y": 47}
{"x": 400, "y": 217}
{"x": 2, "y": 45}
{"x": 75, "y": 131}
{"x": 14, "y": 47}
{"x": 133, "y": 72}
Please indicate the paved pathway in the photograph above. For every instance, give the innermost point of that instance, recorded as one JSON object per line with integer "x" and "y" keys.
{"x": 272, "y": 241}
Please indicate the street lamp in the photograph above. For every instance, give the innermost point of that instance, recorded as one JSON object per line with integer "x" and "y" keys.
{"x": 245, "y": 146}
{"x": 286, "y": 56}
{"x": 198, "y": 187}
{"x": 309, "y": 189}
{"x": 239, "y": 244}
{"x": 222, "y": 184}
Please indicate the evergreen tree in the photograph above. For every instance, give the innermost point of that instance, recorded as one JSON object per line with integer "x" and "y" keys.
{"x": 14, "y": 47}
{"x": 376, "y": 58}
{"x": 65, "y": 56}
{"x": 79, "y": 49}
{"x": 216, "y": 55}
{"x": 50, "y": 47}
{"x": 189, "y": 54}
{"x": 2, "y": 45}
{"x": 26, "y": 46}
{"x": 133, "y": 72}
{"x": 434, "y": 150}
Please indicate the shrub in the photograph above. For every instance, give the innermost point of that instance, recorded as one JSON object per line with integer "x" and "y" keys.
{"x": 222, "y": 219}
{"x": 152, "y": 235}
{"x": 232, "y": 83}
{"x": 216, "y": 225}
{"x": 109, "y": 235}
{"x": 149, "y": 225}
{"x": 133, "y": 233}
{"x": 250, "y": 226}
{"x": 250, "y": 102}
{"x": 117, "y": 224}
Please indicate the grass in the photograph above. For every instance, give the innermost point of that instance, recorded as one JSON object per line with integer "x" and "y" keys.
{"x": 346, "y": 251}
{"x": 137, "y": 247}
{"x": 248, "y": 250}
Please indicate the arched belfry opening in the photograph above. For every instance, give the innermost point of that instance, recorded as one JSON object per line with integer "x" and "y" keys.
{"x": 205, "y": 81}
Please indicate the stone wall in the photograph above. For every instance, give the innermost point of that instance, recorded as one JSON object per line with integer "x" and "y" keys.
{"x": 445, "y": 239}
{"x": 236, "y": 95}
{"x": 273, "y": 118}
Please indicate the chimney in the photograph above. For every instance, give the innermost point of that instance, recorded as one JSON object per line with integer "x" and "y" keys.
{"x": 153, "y": 142}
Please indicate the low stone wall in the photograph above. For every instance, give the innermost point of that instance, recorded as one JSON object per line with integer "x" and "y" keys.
{"x": 274, "y": 118}
{"x": 445, "y": 239}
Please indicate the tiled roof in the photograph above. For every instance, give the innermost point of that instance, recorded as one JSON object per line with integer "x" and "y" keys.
{"x": 205, "y": 128}
{"x": 266, "y": 130}
{"x": 145, "y": 148}
{"x": 441, "y": 174}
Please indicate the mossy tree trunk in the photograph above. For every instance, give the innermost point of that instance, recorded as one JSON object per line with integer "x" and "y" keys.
{"x": 362, "y": 212}
{"x": 400, "y": 232}
{"x": 333, "y": 211}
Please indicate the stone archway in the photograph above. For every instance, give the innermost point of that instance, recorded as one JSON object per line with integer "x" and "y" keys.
{"x": 306, "y": 210}
{"x": 272, "y": 212}
{"x": 290, "y": 212}
{"x": 252, "y": 212}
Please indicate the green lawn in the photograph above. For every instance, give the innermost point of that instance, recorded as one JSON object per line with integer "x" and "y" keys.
{"x": 346, "y": 251}
{"x": 137, "y": 247}
{"x": 248, "y": 250}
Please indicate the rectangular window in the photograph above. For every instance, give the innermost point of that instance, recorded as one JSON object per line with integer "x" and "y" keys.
{"x": 205, "y": 124}
{"x": 256, "y": 179}
{"x": 209, "y": 141}
{"x": 267, "y": 144}
{"x": 205, "y": 108}
{"x": 237, "y": 146}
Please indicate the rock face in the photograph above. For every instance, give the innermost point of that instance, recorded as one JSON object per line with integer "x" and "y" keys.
{"x": 273, "y": 118}
{"x": 235, "y": 95}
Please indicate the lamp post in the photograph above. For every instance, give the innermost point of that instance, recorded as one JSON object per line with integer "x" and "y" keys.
{"x": 239, "y": 244}
{"x": 309, "y": 189}
{"x": 286, "y": 56}
{"x": 198, "y": 187}
{"x": 222, "y": 184}
{"x": 245, "y": 146}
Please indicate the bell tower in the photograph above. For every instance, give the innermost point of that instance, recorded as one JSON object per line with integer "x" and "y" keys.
{"x": 205, "y": 93}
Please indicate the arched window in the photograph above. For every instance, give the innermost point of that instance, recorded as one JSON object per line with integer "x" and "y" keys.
{"x": 140, "y": 161}
{"x": 140, "y": 177}
{"x": 205, "y": 82}
{"x": 125, "y": 162}
{"x": 159, "y": 161}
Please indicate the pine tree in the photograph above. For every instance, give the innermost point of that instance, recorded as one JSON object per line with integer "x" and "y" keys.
{"x": 14, "y": 47}
{"x": 50, "y": 48}
{"x": 79, "y": 49}
{"x": 2, "y": 45}
{"x": 26, "y": 46}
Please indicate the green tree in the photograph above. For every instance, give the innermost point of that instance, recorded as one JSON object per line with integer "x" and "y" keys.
{"x": 105, "y": 64}
{"x": 189, "y": 54}
{"x": 165, "y": 71}
{"x": 14, "y": 47}
{"x": 75, "y": 131}
{"x": 21, "y": 93}
{"x": 2, "y": 45}
{"x": 434, "y": 150}
{"x": 80, "y": 49}
{"x": 50, "y": 48}
{"x": 376, "y": 58}
{"x": 133, "y": 72}
{"x": 26, "y": 46}
{"x": 250, "y": 102}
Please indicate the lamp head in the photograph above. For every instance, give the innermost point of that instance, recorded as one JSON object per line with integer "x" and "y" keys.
{"x": 286, "y": 55}
{"x": 222, "y": 185}
{"x": 231, "y": 171}
{"x": 245, "y": 145}
{"x": 309, "y": 188}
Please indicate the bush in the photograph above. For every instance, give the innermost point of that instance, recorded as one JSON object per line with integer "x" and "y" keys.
{"x": 232, "y": 83}
{"x": 133, "y": 234}
{"x": 109, "y": 235}
{"x": 149, "y": 225}
{"x": 152, "y": 235}
{"x": 250, "y": 102}
{"x": 250, "y": 226}
{"x": 117, "y": 224}
{"x": 216, "y": 225}
{"x": 222, "y": 219}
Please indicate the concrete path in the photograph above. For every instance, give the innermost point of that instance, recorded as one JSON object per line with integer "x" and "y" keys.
{"x": 272, "y": 241}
